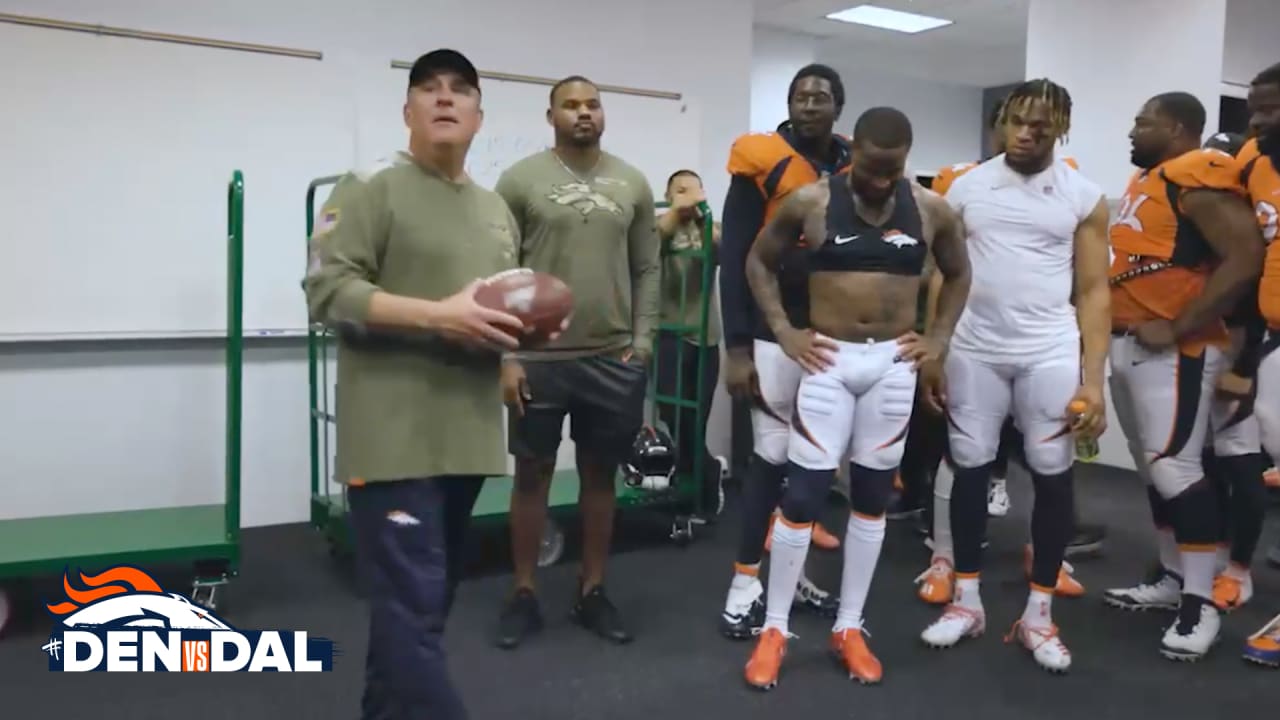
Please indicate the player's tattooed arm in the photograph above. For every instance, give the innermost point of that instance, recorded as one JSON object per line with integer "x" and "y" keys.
{"x": 782, "y": 232}
{"x": 951, "y": 259}
{"x": 1092, "y": 251}
{"x": 1231, "y": 229}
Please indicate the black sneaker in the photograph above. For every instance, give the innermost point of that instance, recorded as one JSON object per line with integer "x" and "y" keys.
{"x": 520, "y": 618}
{"x": 594, "y": 612}
{"x": 1087, "y": 541}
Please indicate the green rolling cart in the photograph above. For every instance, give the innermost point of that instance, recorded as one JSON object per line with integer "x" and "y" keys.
{"x": 328, "y": 499}
{"x": 208, "y": 536}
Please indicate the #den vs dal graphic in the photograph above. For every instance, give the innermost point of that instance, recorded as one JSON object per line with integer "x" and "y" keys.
{"x": 122, "y": 621}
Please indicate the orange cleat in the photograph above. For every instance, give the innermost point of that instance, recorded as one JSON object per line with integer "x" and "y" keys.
{"x": 1263, "y": 647}
{"x": 1230, "y": 591}
{"x": 822, "y": 539}
{"x": 851, "y": 651}
{"x": 766, "y": 660}
{"x": 1067, "y": 587}
{"x": 938, "y": 582}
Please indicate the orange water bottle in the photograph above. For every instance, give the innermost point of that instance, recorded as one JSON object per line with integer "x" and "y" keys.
{"x": 1086, "y": 445}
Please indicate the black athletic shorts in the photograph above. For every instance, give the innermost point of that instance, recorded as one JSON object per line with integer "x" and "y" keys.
{"x": 602, "y": 395}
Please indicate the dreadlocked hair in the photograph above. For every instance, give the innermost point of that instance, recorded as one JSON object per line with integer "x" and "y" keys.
{"x": 1041, "y": 90}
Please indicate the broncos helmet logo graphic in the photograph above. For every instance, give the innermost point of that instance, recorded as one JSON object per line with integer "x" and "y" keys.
{"x": 582, "y": 198}
{"x": 126, "y": 597}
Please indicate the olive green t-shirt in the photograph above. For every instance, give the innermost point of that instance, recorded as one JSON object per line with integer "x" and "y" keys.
{"x": 682, "y": 276}
{"x": 408, "y": 406}
{"x": 595, "y": 232}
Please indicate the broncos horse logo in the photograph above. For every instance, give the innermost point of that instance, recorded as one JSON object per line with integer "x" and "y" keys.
{"x": 582, "y": 198}
{"x": 126, "y": 597}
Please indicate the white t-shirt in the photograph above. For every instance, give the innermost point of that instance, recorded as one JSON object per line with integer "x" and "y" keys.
{"x": 1021, "y": 235}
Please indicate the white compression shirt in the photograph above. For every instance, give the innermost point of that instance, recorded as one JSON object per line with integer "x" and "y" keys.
{"x": 1021, "y": 237}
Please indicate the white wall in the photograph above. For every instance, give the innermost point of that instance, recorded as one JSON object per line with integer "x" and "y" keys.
{"x": 98, "y": 427}
{"x": 946, "y": 119}
{"x": 775, "y": 57}
{"x": 1250, "y": 39}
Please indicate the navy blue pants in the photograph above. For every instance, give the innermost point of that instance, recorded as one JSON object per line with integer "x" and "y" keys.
{"x": 409, "y": 536}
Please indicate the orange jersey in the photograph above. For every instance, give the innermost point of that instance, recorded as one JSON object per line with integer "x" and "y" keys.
{"x": 776, "y": 167}
{"x": 1161, "y": 260}
{"x": 948, "y": 175}
{"x": 1258, "y": 173}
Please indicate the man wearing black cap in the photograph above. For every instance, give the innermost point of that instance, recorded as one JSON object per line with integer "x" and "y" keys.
{"x": 395, "y": 261}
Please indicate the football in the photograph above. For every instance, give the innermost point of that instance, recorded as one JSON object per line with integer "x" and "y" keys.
{"x": 542, "y": 302}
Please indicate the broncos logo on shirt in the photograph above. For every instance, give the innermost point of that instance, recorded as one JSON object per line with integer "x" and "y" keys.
{"x": 582, "y": 198}
{"x": 1259, "y": 175}
{"x": 777, "y": 168}
{"x": 1162, "y": 261}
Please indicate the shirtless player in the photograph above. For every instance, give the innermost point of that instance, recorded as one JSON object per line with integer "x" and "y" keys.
{"x": 876, "y": 230}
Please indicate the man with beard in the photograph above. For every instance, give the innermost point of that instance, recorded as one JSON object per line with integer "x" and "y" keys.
{"x": 588, "y": 218}
{"x": 1036, "y": 233}
{"x": 1185, "y": 249}
{"x": 1259, "y": 161}
{"x": 765, "y": 169}
{"x": 868, "y": 235}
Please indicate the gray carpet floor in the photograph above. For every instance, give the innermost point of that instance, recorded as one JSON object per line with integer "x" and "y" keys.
{"x": 679, "y": 667}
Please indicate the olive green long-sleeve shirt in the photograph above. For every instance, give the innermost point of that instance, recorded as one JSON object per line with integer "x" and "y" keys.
{"x": 596, "y": 233}
{"x": 409, "y": 408}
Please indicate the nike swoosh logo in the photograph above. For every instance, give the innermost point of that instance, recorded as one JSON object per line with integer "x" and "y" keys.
{"x": 842, "y": 240}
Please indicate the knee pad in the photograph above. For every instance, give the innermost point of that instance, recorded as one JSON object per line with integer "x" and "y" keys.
{"x": 869, "y": 490}
{"x": 968, "y": 452}
{"x": 1050, "y": 457}
{"x": 770, "y": 439}
{"x": 806, "y": 493}
{"x": 1175, "y": 474}
{"x": 1195, "y": 517}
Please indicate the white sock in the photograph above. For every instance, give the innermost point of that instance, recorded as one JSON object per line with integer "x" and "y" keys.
{"x": 786, "y": 565}
{"x": 1197, "y": 573}
{"x": 1037, "y": 614}
{"x": 743, "y": 580}
{"x": 943, "y": 546}
{"x": 967, "y": 595}
{"x": 743, "y": 588}
{"x": 1170, "y": 556}
{"x": 1222, "y": 559}
{"x": 862, "y": 541}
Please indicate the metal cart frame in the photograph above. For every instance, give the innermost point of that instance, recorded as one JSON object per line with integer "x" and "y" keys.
{"x": 208, "y": 536}
{"x": 328, "y": 498}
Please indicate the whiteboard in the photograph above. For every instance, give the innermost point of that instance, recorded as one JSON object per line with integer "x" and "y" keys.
{"x": 656, "y": 135}
{"x": 117, "y": 154}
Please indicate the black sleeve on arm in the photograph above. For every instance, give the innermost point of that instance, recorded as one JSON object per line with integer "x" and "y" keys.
{"x": 1246, "y": 365}
{"x": 742, "y": 221}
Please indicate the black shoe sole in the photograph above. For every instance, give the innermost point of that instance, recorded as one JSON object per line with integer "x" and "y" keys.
{"x": 578, "y": 620}
{"x": 1084, "y": 550}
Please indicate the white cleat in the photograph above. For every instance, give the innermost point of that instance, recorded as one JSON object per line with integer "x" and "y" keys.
{"x": 1045, "y": 646}
{"x": 998, "y": 503}
{"x": 1162, "y": 593}
{"x": 956, "y": 624}
{"x": 1193, "y": 645}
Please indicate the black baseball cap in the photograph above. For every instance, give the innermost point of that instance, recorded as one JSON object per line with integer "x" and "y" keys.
{"x": 443, "y": 60}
